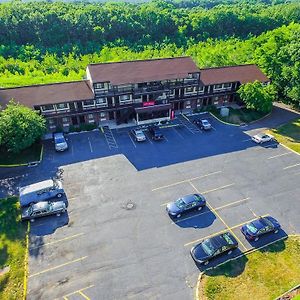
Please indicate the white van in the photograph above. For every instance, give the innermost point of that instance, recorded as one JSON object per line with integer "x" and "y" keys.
{"x": 40, "y": 191}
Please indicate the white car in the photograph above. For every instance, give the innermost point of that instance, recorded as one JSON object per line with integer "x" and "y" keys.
{"x": 262, "y": 138}
{"x": 60, "y": 142}
{"x": 139, "y": 135}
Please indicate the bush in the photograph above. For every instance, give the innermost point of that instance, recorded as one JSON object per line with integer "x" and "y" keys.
{"x": 87, "y": 127}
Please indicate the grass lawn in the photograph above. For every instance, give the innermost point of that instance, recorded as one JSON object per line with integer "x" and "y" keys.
{"x": 27, "y": 155}
{"x": 289, "y": 135}
{"x": 266, "y": 273}
{"x": 12, "y": 249}
{"x": 239, "y": 116}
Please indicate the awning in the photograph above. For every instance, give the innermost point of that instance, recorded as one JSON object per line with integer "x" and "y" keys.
{"x": 150, "y": 109}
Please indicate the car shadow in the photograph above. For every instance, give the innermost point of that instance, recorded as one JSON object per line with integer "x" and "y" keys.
{"x": 226, "y": 265}
{"x": 196, "y": 219}
{"x": 48, "y": 225}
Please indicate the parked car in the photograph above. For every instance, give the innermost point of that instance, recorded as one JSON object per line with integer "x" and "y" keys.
{"x": 255, "y": 229}
{"x": 202, "y": 124}
{"x": 185, "y": 204}
{"x": 43, "y": 209}
{"x": 139, "y": 135}
{"x": 40, "y": 191}
{"x": 155, "y": 133}
{"x": 60, "y": 142}
{"x": 262, "y": 138}
{"x": 214, "y": 246}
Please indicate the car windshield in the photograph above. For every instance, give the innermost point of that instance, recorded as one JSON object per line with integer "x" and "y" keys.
{"x": 205, "y": 122}
{"x": 251, "y": 228}
{"x": 208, "y": 247}
{"x": 59, "y": 140}
{"x": 140, "y": 133}
{"x": 180, "y": 203}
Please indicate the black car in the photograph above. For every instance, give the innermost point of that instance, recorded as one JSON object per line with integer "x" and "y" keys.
{"x": 214, "y": 246}
{"x": 155, "y": 133}
{"x": 253, "y": 230}
{"x": 185, "y": 204}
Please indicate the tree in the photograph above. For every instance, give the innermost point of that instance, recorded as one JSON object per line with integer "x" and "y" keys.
{"x": 257, "y": 96}
{"x": 20, "y": 127}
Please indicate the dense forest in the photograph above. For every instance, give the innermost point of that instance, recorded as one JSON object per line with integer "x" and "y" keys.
{"x": 49, "y": 42}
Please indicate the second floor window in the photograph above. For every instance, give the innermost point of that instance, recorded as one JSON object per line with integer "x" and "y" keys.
{"x": 124, "y": 98}
{"x": 101, "y": 101}
{"x": 88, "y": 103}
{"x": 226, "y": 85}
{"x": 218, "y": 86}
{"x": 49, "y": 107}
{"x": 62, "y": 106}
{"x": 99, "y": 85}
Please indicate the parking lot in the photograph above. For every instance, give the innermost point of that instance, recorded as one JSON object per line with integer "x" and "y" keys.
{"x": 118, "y": 242}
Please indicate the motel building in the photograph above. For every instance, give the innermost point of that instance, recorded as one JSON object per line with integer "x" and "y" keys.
{"x": 137, "y": 92}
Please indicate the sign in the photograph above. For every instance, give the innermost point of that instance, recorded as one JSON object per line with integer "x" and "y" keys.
{"x": 149, "y": 103}
{"x": 172, "y": 114}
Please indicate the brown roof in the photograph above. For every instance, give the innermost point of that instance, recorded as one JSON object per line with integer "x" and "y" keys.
{"x": 142, "y": 70}
{"x": 242, "y": 74}
{"x": 47, "y": 93}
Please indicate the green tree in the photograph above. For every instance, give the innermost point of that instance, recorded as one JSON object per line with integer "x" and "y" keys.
{"x": 20, "y": 127}
{"x": 256, "y": 96}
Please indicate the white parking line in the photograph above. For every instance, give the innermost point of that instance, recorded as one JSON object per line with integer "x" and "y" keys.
{"x": 292, "y": 166}
{"x": 91, "y": 148}
{"x": 247, "y": 140}
{"x": 279, "y": 155}
{"x": 131, "y": 139}
{"x": 178, "y": 133}
{"x": 166, "y": 138}
{"x": 148, "y": 139}
{"x": 213, "y": 128}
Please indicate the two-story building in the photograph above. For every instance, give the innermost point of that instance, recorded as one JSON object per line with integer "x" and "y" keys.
{"x": 141, "y": 90}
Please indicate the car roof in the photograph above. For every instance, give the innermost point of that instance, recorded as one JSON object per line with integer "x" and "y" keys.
{"x": 36, "y": 187}
{"x": 40, "y": 205}
{"x": 259, "y": 223}
{"x": 219, "y": 240}
{"x": 189, "y": 198}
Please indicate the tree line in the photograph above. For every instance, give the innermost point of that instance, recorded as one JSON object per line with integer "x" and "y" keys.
{"x": 61, "y": 27}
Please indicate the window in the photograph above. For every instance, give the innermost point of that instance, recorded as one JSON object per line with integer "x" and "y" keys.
{"x": 125, "y": 99}
{"x": 49, "y": 107}
{"x": 91, "y": 116}
{"x": 190, "y": 89}
{"x": 102, "y": 115}
{"x": 99, "y": 85}
{"x": 201, "y": 89}
{"x": 65, "y": 120}
{"x": 226, "y": 85}
{"x": 61, "y": 106}
{"x": 50, "y": 121}
{"x": 88, "y": 103}
{"x": 101, "y": 101}
{"x": 218, "y": 86}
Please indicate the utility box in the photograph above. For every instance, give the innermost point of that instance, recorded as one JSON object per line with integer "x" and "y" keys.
{"x": 224, "y": 111}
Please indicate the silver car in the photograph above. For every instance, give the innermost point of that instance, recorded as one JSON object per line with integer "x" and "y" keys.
{"x": 60, "y": 142}
{"x": 139, "y": 135}
{"x": 40, "y": 191}
{"x": 262, "y": 138}
{"x": 43, "y": 209}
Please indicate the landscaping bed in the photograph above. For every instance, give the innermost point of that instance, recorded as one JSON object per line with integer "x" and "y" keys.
{"x": 267, "y": 274}
{"x": 289, "y": 134}
{"x": 28, "y": 155}
{"x": 12, "y": 250}
{"x": 238, "y": 116}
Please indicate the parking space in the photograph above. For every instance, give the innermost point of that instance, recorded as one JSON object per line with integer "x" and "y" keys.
{"x": 117, "y": 240}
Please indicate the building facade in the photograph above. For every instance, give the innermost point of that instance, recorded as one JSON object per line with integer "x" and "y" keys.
{"x": 142, "y": 91}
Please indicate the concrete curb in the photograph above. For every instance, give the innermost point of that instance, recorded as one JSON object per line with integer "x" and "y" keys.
{"x": 290, "y": 290}
{"x": 29, "y": 164}
{"x": 26, "y": 263}
{"x": 231, "y": 124}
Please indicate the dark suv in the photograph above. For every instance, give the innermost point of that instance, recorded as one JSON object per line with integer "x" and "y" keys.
{"x": 155, "y": 133}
